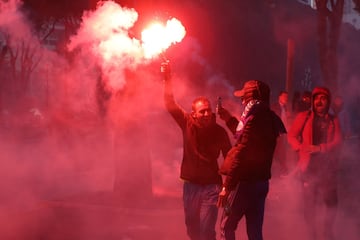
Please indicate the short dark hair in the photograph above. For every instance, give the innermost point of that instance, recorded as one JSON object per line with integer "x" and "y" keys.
{"x": 198, "y": 99}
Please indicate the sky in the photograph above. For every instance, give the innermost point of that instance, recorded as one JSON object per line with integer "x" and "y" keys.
{"x": 137, "y": 145}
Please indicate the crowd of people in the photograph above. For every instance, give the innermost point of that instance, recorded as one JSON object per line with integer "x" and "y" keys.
{"x": 265, "y": 134}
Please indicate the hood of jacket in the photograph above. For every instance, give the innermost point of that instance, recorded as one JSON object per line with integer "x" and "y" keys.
{"x": 321, "y": 90}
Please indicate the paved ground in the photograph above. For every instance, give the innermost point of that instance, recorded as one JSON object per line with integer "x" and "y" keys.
{"x": 102, "y": 215}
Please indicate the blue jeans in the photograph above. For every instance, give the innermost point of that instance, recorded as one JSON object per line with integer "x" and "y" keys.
{"x": 200, "y": 210}
{"x": 248, "y": 199}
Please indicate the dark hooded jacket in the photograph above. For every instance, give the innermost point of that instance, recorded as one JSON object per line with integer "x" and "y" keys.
{"x": 250, "y": 159}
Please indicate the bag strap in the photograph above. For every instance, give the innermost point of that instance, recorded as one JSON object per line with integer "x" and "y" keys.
{"x": 306, "y": 119}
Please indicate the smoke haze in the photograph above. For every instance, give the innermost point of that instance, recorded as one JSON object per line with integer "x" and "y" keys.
{"x": 68, "y": 172}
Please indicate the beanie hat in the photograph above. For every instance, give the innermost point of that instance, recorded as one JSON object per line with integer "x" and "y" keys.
{"x": 321, "y": 90}
{"x": 254, "y": 89}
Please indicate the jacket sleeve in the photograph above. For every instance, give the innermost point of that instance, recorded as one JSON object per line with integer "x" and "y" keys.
{"x": 295, "y": 133}
{"x": 335, "y": 139}
{"x": 237, "y": 152}
{"x": 232, "y": 124}
{"x": 176, "y": 111}
{"x": 226, "y": 144}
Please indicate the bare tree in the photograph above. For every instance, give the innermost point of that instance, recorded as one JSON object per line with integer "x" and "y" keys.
{"x": 357, "y": 5}
{"x": 21, "y": 55}
{"x": 329, "y": 17}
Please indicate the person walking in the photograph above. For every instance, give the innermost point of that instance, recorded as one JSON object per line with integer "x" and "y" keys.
{"x": 247, "y": 166}
{"x": 203, "y": 141}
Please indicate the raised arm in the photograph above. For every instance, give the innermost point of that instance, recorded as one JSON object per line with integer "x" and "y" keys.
{"x": 230, "y": 121}
{"x": 176, "y": 111}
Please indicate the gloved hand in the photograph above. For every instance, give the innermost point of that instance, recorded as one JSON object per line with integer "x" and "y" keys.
{"x": 166, "y": 70}
{"x": 223, "y": 113}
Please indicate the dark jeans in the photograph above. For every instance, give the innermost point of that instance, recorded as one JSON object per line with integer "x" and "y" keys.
{"x": 318, "y": 194}
{"x": 319, "y": 184}
{"x": 200, "y": 210}
{"x": 249, "y": 200}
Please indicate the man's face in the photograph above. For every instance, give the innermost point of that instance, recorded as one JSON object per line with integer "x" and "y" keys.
{"x": 202, "y": 113}
{"x": 321, "y": 104}
{"x": 283, "y": 98}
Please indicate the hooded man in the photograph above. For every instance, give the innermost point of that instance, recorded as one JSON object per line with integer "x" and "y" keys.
{"x": 247, "y": 167}
{"x": 316, "y": 136}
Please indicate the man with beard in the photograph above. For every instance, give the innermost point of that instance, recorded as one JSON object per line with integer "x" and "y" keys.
{"x": 316, "y": 136}
{"x": 203, "y": 141}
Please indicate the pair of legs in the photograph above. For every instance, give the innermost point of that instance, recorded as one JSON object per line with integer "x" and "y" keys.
{"x": 317, "y": 197}
{"x": 200, "y": 210}
{"x": 247, "y": 200}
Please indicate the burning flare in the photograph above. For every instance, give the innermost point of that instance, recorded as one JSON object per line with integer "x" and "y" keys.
{"x": 157, "y": 37}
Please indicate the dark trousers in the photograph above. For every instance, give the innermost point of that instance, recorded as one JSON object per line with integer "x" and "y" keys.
{"x": 319, "y": 185}
{"x": 200, "y": 210}
{"x": 318, "y": 195}
{"x": 247, "y": 200}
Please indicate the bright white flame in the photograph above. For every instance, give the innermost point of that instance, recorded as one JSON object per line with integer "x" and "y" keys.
{"x": 158, "y": 37}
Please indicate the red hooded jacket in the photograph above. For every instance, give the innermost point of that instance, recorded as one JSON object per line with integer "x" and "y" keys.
{"x": 301, "y": 133}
